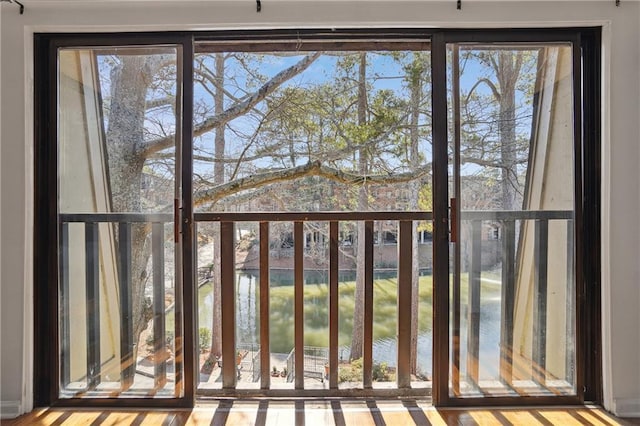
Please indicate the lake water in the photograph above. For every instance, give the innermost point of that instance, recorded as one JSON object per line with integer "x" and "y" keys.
{"x": 384, "y": 348}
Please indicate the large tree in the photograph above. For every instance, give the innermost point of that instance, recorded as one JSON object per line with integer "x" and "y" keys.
{"x": 344, "y": 130}
{"x": 496, "y": 121}
{"x": 129, "y": 146}
{"x": 417, "y": 75}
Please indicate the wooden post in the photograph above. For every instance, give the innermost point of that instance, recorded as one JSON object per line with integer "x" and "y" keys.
{"x": 405, "y": 257}
{"x": 92, "y": 279}
{"x": 507, "y": 300}
{"x": 539, "y": 355}
{"x": 228, "y": 301}
{"x": 333, "y": 304}
{"x": 159, "y": 343}
{"x": 265, "y": 351}
{"x": 298, "y": 255}
{"x": 473, "y": 308}
{"x": 127, "y": 362}
{"x": 367, "y": 346}
{"x": 570, "y": 355}
{"x": 65, "y": 293}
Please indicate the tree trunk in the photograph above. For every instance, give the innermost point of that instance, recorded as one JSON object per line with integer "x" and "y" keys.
{"x": 128, "y": 150}
{"x": 363, "y": 204}
{"x": 414, "y": 164}
{"x": 218, "y": 178}
{"x": 508, "y": 71}
{"x": 129, "y": 84}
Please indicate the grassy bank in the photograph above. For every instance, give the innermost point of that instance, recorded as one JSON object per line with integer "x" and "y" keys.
{"x": 316, "y": 313}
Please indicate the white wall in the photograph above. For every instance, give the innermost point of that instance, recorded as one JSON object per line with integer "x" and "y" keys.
{"x": 621, "y": 154}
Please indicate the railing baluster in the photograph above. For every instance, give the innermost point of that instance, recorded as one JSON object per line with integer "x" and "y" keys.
{"x": 473, "y": 304}
{"x": 405, "y": 269}
{"x": 157, "y": 260}
{"x": 65, "y": 344}
{"x": 455, "y": 307}
{"x": 333, "y": 304}
{"x": 265, "y": 351}
{"x": 229, "y": 374}
{"x": 92, "y": 279}
{"x": 298, "y": 268}
{"x": 227, "y": 301}
{"x": 570, "y": 311}
{"x": 127, "y": 363}
{"x": 539, "y": 355}
{"x": 507, "y": 300}
{"x": 367, "y": 349}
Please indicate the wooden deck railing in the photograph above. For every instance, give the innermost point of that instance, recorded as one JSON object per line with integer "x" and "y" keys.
{"x": 156, "y": 223}
{"x": 509, "y": 241}
{"x": 227, "y": 261}
{"x": 125, "y": 222}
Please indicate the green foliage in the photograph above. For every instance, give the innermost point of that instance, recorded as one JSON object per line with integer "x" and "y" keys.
{"x": 204, "y": 341}
{"x": 352, "y": 372}
{"x": 425, "y": 202}
{"x": 316, "y": 117}
{"x": 380, "y": 372}
{"x": 316, "y": 312}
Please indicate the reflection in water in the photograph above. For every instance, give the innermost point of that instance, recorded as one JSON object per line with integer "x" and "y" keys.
{"x": 316, "y": 317}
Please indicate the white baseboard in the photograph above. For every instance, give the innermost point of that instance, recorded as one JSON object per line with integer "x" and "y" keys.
{"x": 10, "y": 409}
{"x": 626, "y": 407}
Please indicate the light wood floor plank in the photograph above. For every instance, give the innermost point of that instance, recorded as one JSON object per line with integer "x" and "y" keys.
{"x": 309, "y": 413}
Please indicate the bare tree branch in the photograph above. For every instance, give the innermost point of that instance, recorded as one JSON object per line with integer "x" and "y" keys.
{"x": 161, "y": 102}
{"x": 491, "y": 86}
{"x": 207, "y": 77}
{"x": 315, "y": 168}
{"x": 489, "y": 163}
{"x": 236, "y": 110}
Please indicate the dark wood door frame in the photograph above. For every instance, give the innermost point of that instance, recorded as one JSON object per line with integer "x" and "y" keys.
{"x": 587, "y": 108}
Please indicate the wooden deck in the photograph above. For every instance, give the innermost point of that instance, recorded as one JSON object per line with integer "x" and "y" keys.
{"x": 361, "y": 413}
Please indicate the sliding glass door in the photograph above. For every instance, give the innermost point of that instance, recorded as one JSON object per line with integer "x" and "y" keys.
{"x": 328, "y": 137}
{"x": 109, "y": 162}
{"x": 391, "y": 213}
{"x": 118, "y": 116}
{"x": 515, "y": 128}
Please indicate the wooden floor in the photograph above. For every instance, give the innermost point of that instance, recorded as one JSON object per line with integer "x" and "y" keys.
{"x": 360, "y": 413}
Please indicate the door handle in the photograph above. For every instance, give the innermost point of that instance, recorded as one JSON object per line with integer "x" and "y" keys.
{"x": 176, "y": 220}
{"x": 453, "y": 206}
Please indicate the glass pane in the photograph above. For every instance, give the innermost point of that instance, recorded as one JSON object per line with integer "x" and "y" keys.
{"x": 209, "y": 315}
{"x": 305, "y": 131}
{"x": 281, "y": 305}
{"x": 513, "y": 310}
{"x": 118, "y": 281}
